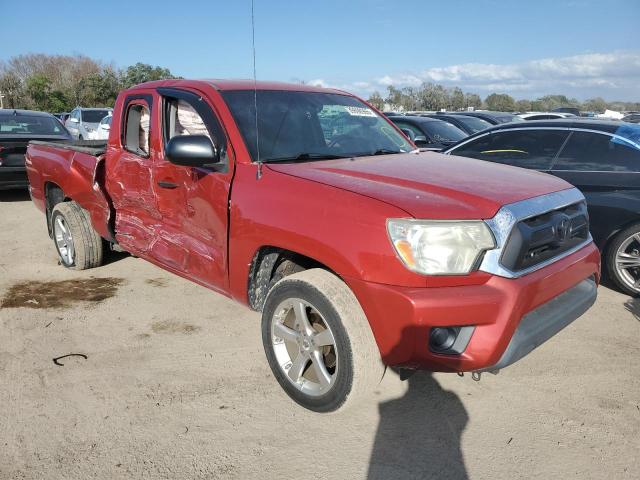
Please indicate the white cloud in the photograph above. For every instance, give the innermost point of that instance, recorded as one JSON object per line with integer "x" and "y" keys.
{"x": 610, "y": 75}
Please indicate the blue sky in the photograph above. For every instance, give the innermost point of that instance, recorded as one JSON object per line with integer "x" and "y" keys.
{"x": 581, "y": 48}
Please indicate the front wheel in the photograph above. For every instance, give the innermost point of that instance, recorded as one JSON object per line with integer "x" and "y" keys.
{"x": 318, "y": 341}
{"x": 623, "y": 260}
{"x": 79, "y": 246}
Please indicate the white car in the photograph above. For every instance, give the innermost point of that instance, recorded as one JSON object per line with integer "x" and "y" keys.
{"x": 83, "y": 122}
{"x": 102, "y": 132}
{"x": 545, "y": 115}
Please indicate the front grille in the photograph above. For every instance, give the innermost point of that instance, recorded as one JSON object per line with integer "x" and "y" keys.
{"x": 537, "y": 239}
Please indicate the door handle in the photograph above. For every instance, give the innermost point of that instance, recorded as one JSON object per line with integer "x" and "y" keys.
{"x": 169, "y": 185}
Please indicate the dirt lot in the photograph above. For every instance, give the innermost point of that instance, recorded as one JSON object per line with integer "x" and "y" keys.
{"x": 175, "y": 385}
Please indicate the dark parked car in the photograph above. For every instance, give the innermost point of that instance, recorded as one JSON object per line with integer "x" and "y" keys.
{"x": 601, "y": 158}
{"x": 427, "y": 132}
{"x": 632, "y": 118}
{"x": 572, "y": 110}
{"x": 17, "y": 128}
{"x": 62, "y": 116}
{"x": 466, "y": 123}
{"x": 494, "y": 118}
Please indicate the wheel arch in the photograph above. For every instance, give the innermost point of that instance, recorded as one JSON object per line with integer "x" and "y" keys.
{"x": 270, "y": 264}
{"x": 606, "y": 244}
{"x": 53, "y": 195}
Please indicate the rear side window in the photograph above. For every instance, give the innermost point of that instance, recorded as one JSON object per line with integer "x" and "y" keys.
{"x": 596, "y": 152}
{"x": 527, "y": 148}
{"x": 136, "y": 138}
{"x": 416, "y": 131}
{"x": 474, "y": 123}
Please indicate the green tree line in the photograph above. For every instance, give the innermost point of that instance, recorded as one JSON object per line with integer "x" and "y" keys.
{"x": 59, "y": 83}
{"x": 436, "y": 97}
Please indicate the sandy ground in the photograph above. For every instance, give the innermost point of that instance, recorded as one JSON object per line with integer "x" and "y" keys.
{"x": 175, "y": 385}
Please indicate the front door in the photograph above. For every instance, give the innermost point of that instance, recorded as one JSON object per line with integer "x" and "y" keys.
{"x": 193, "y": 202}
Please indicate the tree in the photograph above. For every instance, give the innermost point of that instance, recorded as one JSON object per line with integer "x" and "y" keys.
{"x": 433, "y": 97}
{"x": 394, "y": 97}
{"x": 143, "y": 72}
{"x": 101, "y": 89}
{"x": 12, "y": 89}
{"x": 523, "y": 106}
{"x": 457, "y": 99}
{"x": 472, "y": 100}
{"x": 376, "y": 100}
{"x": 39, "y": 88}
{"x": 595, "y": 105}
{"x": 500, "y": 102}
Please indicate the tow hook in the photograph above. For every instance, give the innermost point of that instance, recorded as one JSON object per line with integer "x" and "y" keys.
{"x": 476, "y": 376}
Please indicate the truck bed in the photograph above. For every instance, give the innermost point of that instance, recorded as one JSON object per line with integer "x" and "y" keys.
{"x": 92, "y": 147}
{"x": 73, "y": 168}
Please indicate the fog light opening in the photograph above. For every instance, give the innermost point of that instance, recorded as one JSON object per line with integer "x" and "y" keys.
{"x": 441, "y": 339}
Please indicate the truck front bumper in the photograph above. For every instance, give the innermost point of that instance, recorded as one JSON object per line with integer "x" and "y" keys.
{"x": 508, "y": 317}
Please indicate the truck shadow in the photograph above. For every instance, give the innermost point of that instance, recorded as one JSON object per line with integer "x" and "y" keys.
{"x": 419, "y": 434}
{"x": 17, "y": 195}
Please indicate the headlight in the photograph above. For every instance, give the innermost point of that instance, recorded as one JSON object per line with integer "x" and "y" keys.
{"x": 440, "y": 247}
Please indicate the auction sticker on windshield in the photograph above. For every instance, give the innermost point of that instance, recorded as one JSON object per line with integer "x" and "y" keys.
{"x": 360, "y": 111}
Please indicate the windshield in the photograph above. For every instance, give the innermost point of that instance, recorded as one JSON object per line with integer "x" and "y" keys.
{"x": 28, "y": 124}
{"x": 440, "y": 131}
{"x": 311, "y": 126}
{"x": 475, "y": 124}
{"x": 93, "y": 116}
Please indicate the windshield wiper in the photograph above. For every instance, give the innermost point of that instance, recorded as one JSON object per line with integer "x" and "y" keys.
{"x": 305, "y": 156}
{"x": 380, "y": 151}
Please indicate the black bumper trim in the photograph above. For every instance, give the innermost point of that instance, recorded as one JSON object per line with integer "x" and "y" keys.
{"x": 544, "y": 322}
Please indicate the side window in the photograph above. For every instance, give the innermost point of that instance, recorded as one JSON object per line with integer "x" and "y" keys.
{"x": 187, "y": 113}
{"x": 136, "y": 129}
{"x": 596, "y": 152}
{"x": 184, "y": 120}
{"x": 527, "y": 148}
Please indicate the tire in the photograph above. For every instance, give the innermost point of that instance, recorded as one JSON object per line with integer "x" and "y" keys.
{"x": 78, "y": 245}
{"x": 352, "y": 361}
{"x": 624, "y": 251}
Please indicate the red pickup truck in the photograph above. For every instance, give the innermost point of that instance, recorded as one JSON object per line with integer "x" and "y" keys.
{"x": 308, "y": 205}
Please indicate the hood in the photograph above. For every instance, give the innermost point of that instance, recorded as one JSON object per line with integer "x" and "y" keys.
{"x": 429, "y": 185}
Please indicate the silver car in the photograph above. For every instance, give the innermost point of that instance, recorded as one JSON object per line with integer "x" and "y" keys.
{"x": 102, "y": 132}
{"x": 83, "y": 122}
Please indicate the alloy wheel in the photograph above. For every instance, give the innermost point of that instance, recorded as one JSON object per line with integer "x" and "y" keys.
{"x": 64, "y": 240}
{"x": 628, "y": 262}
{"x": 304, "y": 346}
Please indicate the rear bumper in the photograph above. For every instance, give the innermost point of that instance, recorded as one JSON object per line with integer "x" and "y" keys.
{"x": 510, "y": 316}
{"x": 13, "y": 177}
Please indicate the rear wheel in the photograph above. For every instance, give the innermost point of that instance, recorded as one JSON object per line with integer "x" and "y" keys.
{"x": 79, "y": 246}
{"x": 623, "y": 260}
{"x": 318, "y": 341}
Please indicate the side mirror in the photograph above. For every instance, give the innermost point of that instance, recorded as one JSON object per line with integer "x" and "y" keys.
{"x": 74, "y": 120}
{"x": 421, "y": 140}
{"x": 192, "y": 151}
{"x": 409, "y": 133}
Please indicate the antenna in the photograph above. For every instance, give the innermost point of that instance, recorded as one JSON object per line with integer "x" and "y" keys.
{"x": 255, "y": 90}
